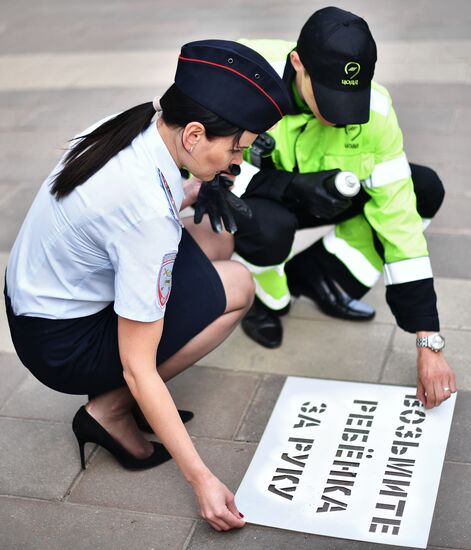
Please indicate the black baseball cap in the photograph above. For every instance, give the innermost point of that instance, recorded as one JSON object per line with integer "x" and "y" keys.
{"x": 232, "y": 81}
{"x": 339, "y": 53}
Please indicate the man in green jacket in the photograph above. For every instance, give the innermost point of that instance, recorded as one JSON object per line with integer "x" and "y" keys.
{"x": 341, "y": 121}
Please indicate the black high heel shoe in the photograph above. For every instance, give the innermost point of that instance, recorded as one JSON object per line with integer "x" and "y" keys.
{"x": 88, "y": 430}
{"x": 144, "y": 426}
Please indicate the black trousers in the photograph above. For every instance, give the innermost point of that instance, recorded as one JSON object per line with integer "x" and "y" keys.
{"x": 267, "y": 238}
{"x": 81, "y": 356}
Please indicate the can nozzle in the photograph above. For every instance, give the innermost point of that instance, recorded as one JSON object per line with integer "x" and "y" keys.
{"x": 344, "y": 184}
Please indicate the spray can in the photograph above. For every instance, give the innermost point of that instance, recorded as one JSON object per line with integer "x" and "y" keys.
{"x": 345, "y": 184}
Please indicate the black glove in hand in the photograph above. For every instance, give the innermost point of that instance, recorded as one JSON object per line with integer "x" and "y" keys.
{"x": 215, "y": 199}
{"x": 310, "y": 190}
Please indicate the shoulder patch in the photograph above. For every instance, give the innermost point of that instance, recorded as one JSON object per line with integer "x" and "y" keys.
{"x": 164, "y": 281}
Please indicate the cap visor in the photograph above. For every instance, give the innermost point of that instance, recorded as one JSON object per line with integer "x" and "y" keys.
{"x": 342, "y": 108}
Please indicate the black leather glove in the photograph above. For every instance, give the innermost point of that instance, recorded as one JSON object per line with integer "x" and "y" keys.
{"x": 311, "y": 191}
{"x": 215, "y": 199}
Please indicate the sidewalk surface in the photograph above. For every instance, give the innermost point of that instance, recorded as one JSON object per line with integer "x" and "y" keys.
{"x": 64, "y": 65}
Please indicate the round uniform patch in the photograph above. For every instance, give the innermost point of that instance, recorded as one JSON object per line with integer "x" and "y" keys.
{"x": 164, "y": 284}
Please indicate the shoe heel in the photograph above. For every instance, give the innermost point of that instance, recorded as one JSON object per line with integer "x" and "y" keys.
{"x": 81, "y": 444}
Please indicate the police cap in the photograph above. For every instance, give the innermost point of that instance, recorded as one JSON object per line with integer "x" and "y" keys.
{"x": 232, "y": 81}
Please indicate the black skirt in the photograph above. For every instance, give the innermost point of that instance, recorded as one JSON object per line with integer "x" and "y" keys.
{"x": 81, "y": 356}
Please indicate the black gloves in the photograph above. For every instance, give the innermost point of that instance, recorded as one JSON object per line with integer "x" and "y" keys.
{"x": 215, "y": 199}
{"x": 316, "y": 192}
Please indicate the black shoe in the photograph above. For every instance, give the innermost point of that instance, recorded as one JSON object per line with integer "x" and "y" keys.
{"x": 144, "y": 426}
{"x": 88, "y": 430}
{"x": 263, "y": 325}
{"x": 332, "y": 299}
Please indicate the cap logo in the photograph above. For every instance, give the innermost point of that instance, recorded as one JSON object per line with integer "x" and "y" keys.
{"x": 351, "y": 69}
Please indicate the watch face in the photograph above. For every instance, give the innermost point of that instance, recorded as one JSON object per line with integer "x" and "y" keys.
{"x": 437, "y": 342}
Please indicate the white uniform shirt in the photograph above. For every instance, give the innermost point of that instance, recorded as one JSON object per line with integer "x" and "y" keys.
{"x": 113, "y": 238}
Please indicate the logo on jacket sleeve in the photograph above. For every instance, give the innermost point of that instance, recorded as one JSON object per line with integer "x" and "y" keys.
{"x": 164, "y": 283}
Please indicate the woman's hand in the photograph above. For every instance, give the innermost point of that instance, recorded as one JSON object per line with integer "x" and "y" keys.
{"x": 191, "y": 188}
{"x": 216, "y": 503}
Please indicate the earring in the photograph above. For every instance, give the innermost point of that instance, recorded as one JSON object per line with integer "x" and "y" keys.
{"x": 190, "y": 150}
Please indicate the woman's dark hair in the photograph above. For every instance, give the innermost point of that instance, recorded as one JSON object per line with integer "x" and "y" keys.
{"x": 92, "y": 151}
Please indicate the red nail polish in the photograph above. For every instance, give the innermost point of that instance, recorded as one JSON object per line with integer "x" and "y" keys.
{"x": 241, "y": 515}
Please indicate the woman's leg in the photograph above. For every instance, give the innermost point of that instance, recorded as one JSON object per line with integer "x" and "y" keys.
{"x": 113, "y": 409}
{"x": 239, "y": 288}
{"x": 216, "y": 246}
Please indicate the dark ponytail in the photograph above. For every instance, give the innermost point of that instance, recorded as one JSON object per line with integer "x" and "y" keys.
{"x": 94, "y": 150}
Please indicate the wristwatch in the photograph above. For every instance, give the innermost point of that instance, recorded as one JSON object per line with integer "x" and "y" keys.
{"x": 436, "y": 342}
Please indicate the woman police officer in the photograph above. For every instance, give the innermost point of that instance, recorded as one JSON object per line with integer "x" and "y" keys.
{"x": 90, "y": 273}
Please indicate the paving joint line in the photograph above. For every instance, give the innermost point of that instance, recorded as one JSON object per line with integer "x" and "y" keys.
{"x": 247, "y": 407}
{"x": 95, "y": 506}
{"x": 78, "y": 477}
{"x": 190, "y": 535}
{"x": 387, "y": 354}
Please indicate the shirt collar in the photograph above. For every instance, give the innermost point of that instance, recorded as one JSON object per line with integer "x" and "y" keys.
{"x": 164, "y": 162}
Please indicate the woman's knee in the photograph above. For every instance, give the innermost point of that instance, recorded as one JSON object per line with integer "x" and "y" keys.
{"x": 238, "y": 285}
{"x": 428, "y": 189}
{"x": 216, "y": 246}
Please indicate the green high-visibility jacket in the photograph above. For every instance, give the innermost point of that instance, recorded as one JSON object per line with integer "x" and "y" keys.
{"x": 374, "y": 152}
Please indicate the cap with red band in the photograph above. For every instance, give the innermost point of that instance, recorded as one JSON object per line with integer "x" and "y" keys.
{"x": 234, "y": 82}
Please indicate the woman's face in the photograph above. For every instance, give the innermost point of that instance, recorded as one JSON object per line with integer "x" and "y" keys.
{"x": 210, "y": 157}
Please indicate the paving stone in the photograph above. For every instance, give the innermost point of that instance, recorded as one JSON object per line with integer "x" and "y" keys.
{"x": 39, "y": 459}
{"x": 431, "y": 148}
{"x": 450, "y": 525}
{"x": 261, "y": 407}
{"x": 459, "y": 443}
{"x": 12, "y": 213}
{"x": 415, "y": 118}
{"x": 310, "y": 348}
{"x": 6, "y": 345}
{"x": 34, "y": 400}
{"x": 305, "y": 308}
{"x": 455, "y": 177}
{"x": 453, "y": 216}
{"x": 443, "y": 93}
{"x": 217, "y": 397}
{"x": 161, "y": 490}
{"x": 454, "y": 303}
{"x": 34, "y": 525}
{"x": 401, "y": 364}
{"x": 450, "y": 255}
{"x": 256, "y": 537}
{"x": 12, "y": 373}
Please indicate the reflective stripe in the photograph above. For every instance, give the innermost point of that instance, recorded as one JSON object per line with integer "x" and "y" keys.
{"x": 278, "y": 271}
{"x": 406, "y": 271}
{"x": 257, "y": 269}
{"x": 389, "y": 172}
{"x": 269, "y": 301}
{"x": 379, "y": 103}
{"x": 353, "y": 259}
{"x": 425, "y": 223}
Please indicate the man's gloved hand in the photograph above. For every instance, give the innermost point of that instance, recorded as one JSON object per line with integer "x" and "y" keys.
{"x": 215, "y": 199}
{"x": 311, "y": 191}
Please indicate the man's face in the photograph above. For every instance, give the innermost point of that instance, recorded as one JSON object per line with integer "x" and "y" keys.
{"x": 304, "y": 86}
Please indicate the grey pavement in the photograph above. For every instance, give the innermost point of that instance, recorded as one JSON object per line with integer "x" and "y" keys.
{"x": 63, "y": 65}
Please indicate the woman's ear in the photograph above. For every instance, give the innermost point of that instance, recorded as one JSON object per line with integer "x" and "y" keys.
{"x": 192, "y": 134}
{"x": 296, "y": 61}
